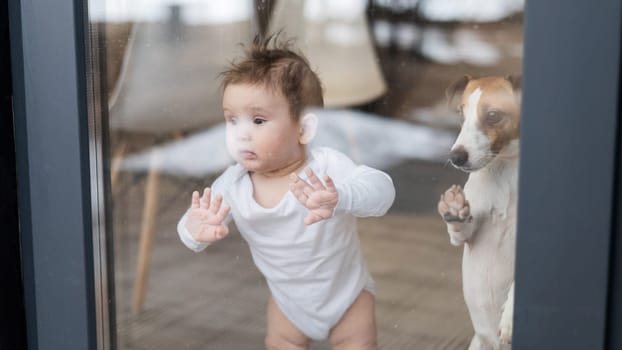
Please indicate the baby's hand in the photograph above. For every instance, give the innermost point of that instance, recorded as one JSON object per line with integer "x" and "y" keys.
{"x": 205, "y": 220}
{"x": 320, "y": 199}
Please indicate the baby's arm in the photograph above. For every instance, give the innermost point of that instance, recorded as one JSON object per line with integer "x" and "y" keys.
{"x": 366, "y": 192}
{"x": 205, "y": 222}
{"x": 358, "y": 190}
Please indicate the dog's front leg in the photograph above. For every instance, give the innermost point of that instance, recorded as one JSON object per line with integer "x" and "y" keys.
{"x": 455, "y": 210}
{"x": 505, "y": 325}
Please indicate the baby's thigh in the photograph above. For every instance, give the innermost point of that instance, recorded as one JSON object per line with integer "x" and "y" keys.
{"x": 357, "y": 327}
{"x": 281, "y": 333}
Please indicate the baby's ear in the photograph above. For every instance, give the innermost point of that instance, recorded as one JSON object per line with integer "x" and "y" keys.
{"x": 308, "y": 128}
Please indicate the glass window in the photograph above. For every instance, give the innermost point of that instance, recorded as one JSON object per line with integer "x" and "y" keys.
{"x": 403, "y": 94}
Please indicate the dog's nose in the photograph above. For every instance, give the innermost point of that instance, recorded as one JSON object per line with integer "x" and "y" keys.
{"x": 459, "y": 156}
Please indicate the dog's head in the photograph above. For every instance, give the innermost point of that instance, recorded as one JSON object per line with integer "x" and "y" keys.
{"x": 489, "y": 110}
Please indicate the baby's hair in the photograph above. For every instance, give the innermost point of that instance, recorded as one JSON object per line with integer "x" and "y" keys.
{"x": 273, "y": 63}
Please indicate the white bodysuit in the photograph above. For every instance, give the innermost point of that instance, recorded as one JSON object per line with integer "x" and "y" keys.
{"x": 314, "y": 272}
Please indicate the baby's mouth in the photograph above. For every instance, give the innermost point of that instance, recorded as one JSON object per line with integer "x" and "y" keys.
{"x": 246, "y": 154}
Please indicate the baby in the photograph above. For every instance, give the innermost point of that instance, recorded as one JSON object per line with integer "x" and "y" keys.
{"x": 296, "y": 207}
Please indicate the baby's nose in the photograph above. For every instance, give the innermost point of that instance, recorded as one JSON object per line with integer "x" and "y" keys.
{"x": 244, "y": 132}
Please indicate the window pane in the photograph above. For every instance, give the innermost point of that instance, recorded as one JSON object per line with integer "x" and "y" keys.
{"x": 403, "y": 93}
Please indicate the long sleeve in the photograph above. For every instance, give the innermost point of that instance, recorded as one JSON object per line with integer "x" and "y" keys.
{"x": 363, "y": 191}
{"x": 366, "y": 192}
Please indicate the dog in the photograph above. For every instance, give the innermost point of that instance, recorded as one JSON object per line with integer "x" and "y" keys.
{"x": 482, "y": 216}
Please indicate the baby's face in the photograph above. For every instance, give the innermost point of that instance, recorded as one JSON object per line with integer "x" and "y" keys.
{"x": 261, "y": 135}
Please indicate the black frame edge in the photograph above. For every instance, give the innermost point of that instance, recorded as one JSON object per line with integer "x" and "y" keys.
{"x": 51, "y": 136}
{"x": 614, "y": 299}
{"x": 570, "y": 101}
{"x": 12, "y": 312}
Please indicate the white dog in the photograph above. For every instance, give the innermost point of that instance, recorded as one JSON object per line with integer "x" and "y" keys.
{"x": 483, "y": 215}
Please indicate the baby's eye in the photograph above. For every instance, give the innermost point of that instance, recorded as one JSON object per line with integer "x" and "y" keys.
{"x": 231, "y": 120}
{"x": 259, "y": 120}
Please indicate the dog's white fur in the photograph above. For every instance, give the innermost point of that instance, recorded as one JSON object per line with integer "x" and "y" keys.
{"x": 483, "y": 215}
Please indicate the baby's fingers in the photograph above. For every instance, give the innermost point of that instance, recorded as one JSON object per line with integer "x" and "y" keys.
{"x": 213, "y": 233}
{"x": 220, "y": 231}
{"x": 298, "y": 182}
{"x": 312, "y": 218}
{"x": 299, "y": 194}
{"x": 324, "y": 198}
{"x": 315, "y": 182}
{"x": 194, "y": 203}
{"x": 330, "y": 185}
{"x": 297, "y": 187}
{"x": 215, "y": 207}
{"x": 206, "y": 198}
{"x": 222, "y": 214}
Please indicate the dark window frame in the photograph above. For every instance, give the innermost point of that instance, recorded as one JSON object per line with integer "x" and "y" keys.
{"x": 566, "y": 199}
{"x": 614, "y": 302}
{"x": 568, "y": 267}
{"x": 51, "y": 138}
{"x": 12, "y": 319}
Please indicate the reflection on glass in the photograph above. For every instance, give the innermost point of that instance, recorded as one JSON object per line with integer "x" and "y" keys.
{"x": 385, "y": 66}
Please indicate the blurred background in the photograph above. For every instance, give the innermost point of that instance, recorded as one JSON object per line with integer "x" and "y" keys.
{"x": 385, "y": 66}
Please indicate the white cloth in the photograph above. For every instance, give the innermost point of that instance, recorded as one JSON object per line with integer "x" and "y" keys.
{"x": 314, "y": 272}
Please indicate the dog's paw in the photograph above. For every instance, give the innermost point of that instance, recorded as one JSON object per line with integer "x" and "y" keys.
{"x": 453, "y": 206}
{"x": 507, "y": 316}
{"x": 505, "y": 333}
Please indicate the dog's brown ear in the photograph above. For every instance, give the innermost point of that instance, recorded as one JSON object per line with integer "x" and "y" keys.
{"x": 455, "y": 91}
{"x": 516, "y": 81}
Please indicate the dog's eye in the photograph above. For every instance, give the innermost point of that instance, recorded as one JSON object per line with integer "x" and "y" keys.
{"x": 493, "y": 117}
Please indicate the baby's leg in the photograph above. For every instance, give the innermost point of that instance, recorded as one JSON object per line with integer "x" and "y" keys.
{"x": 282, "y": 334}
{"x": 357, "y": 328}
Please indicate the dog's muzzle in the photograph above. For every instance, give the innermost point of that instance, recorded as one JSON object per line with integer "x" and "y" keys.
{"x": 459, "y": 156}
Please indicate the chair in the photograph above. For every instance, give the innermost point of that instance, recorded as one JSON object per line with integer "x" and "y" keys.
{"x": 168, "y": 85}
